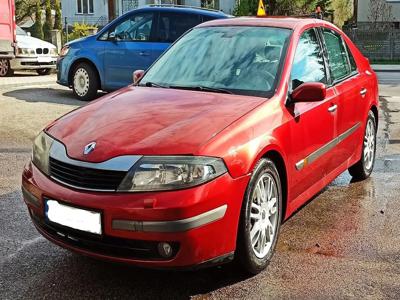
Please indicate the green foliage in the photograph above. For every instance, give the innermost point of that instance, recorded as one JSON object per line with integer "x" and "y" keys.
{"x": 48, "y": 24}
{"x": 38, "y": 27}
{"x": 23, "y": 9}
{"x": 246, "y": 8}
{"x": 80, "y": 30}
{"x": 57, "y": 19}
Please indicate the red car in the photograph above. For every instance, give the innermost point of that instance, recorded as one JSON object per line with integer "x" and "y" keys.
{"x": 232, "y": 130}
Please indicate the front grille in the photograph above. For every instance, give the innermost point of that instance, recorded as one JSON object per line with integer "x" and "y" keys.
{"x": 106, "y": 245}
{"x": 85, "y": 178}
{"x": 35, "y": 63}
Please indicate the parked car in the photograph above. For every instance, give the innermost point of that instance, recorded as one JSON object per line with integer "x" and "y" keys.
{"x": 134, "y": 41}
{"x": 33, "y": 54}
{"x": 7, "y": 35}
{"x": 229, "y": 133}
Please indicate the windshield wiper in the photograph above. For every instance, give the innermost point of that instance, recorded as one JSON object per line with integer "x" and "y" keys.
{"x": 153, "y": 84}
{"x": 201, "y": 88}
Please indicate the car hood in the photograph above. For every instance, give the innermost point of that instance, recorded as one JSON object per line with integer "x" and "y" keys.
{"x": 24, "y": 41}
{"x": 148, "y": 121}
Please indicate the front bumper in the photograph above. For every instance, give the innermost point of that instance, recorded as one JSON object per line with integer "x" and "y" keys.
{"x": 200, "y": 223}
{"x": 33, "y": 63}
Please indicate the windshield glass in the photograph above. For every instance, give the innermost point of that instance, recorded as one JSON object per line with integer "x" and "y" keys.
{"x": 20, "y": 31}
{"x": 236, "y": 59}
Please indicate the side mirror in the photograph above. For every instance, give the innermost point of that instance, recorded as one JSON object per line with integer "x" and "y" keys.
{"x": 309, "y": 92}
{"x": 137, "y": 75}
{"x": 111, "y": 36}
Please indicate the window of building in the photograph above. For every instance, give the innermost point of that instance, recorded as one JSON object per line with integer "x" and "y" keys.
{"x": 213, "y": 4}
{"x": 84, "y": 6}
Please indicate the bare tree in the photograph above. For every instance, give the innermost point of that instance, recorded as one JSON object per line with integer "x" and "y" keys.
{"x": 380, "y": 14}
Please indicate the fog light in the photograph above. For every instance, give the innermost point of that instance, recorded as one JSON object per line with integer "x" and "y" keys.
{"x": 164, "y": 249}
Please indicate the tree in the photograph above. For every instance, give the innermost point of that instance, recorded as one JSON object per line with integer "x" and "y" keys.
{"x": 380, "y": 14}
{"x": 48, "y": 24}
{"x": 38, "y": 27}
{"x": 23, "y": 9}
{"x": 57, "y": 18}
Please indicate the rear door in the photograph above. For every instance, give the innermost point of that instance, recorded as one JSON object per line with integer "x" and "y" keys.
{"x": 171, "y": 26}
{"x": 313, "y": 127}
{"x": 129, "y": 47}
{"x": 346, "y": 81}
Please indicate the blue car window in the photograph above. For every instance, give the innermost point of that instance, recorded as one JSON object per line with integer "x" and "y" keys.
{"x": 135, "y": 28}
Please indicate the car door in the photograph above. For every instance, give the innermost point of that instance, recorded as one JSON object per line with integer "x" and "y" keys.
{"x": 129, "y": 47}
{"x": 313, "y": 124}
{"x": 346, "y": 81}
{"x": 171, "y": 26}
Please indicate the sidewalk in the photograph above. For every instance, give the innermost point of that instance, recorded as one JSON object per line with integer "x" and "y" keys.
{"x": 386, "y": 68}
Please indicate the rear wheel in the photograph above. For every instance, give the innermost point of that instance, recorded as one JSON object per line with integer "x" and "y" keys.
{"x": 261, "y": 217}
{"x": 5, "y": 69}
{"x": 43, "y": 71}
{"x": 85, "y": 82}
{"x": 363, "y": 168}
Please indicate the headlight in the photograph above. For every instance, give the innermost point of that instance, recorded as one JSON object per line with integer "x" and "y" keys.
{"x": 156, "y": 173}
{"x": 53, "y": 52}
{"x": 40, "y": 152}
{"x": 26, "y": 51}
{"x": 64, "y": 51}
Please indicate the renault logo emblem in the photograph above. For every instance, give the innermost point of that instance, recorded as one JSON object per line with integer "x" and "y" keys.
{"x": 89, "y": 148}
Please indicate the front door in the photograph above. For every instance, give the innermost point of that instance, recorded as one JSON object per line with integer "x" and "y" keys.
{"x": 129, "y": 47}
{"x": 313, "y": 126}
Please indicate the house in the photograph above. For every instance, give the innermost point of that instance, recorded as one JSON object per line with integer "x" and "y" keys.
{"x": 99, "y": 12}
{"x": 367, "y": 10}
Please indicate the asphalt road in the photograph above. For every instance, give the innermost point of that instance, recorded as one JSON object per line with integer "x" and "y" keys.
{"x": 345, "y": 243}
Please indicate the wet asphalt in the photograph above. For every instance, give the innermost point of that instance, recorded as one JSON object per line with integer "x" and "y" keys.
{"x": 345, "y": 243}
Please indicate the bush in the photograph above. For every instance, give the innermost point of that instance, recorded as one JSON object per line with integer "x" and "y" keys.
{"x": 37, "y": 30}
{"x": 48, "y": 24}
{"x": 81, "y": 30}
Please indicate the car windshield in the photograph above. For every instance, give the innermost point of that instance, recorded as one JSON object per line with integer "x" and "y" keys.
{"x": 234, "y": 59}
{"x": 20, "y": 31}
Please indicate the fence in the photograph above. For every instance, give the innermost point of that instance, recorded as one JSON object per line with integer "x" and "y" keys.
{"x": 377, "y": 44}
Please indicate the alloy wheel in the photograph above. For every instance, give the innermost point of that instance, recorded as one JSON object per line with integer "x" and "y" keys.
{"x": 4, "y": 66}
{"x": 263, "y": 215}
{"x": 369, "y": 144}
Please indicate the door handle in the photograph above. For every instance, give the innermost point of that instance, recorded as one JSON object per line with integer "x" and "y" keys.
{"x": 143, "y": 53}
{"x": 332, "y": 108}
{"x": 363, "y": 91}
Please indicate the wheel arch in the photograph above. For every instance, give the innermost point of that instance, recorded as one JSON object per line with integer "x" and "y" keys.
{"x": 89, "y": 62}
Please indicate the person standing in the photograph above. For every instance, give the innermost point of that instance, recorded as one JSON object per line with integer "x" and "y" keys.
{"x": 319, "y": 13}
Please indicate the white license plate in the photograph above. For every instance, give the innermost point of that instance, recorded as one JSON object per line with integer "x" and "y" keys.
{"x": 44, "y": 59}
{"x": 76, "y": 218}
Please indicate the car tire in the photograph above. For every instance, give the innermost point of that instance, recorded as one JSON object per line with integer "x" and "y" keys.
{"x": 43, "y": 72}
{"x": 254, "y": 255}
{"x": 363, "y": 168}
{"x": 85, "y": 82}
{"x": 5, "y": 69}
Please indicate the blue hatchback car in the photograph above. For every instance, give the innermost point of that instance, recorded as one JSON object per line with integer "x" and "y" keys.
{"x": 106, "y": 61}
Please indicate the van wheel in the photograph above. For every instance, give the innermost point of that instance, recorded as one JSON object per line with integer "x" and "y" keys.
{"x": 260, "y": 218}
{"x": 43, "y": 72}
{"x": 363, "y": 168}
{"x": 85, "y": 82}
{"x": 5, "y": 69}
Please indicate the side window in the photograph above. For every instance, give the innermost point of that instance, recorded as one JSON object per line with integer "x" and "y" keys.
{"x": 308, "y": 64}
{"x": 337, "y": 54}
{"x": 353, "y": 65}
{"x": 135, "y": 28}
{"x": 172, "y": 25}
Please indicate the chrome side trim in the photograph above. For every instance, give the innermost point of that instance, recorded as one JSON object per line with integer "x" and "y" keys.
{"x": 172, "y": 226}
{"x": 29, "y": 197}
{"x": 325, "y": 148}
{"x": 120, "y": 163}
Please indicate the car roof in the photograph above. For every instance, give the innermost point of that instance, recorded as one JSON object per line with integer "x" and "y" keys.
{"x": 283, "y": 22}
{"x": 185, "y": 9}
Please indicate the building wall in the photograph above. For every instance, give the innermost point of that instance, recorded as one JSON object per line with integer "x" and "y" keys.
{"x": 363, "y": 10}
{"x": 70, "y": 10}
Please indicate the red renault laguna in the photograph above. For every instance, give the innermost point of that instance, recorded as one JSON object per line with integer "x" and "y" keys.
{"x": 233, "y": 129}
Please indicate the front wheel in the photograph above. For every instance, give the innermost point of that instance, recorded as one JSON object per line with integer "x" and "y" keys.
{"x": 85, "y": 82}
{"x": 363, "y": 168}
{"x": 5, "y": 69}
{"x": 261, "y": 217}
